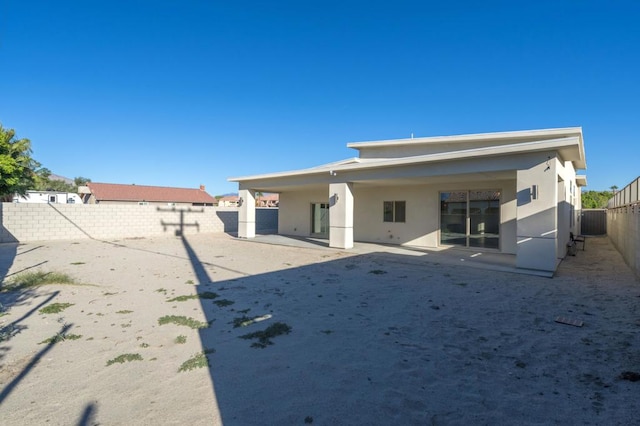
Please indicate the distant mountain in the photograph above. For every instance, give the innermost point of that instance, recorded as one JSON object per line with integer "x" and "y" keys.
{"x": 62, "y": 178}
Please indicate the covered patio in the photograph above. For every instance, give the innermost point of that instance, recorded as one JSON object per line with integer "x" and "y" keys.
{"x": 488, "y": 261}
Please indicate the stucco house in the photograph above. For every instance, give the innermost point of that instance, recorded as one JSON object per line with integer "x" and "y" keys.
{"x": 510, "y": 192}
{"x": 112, "y": 193}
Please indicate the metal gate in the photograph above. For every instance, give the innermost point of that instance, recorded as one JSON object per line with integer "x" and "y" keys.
{"x": 593, "y": 222}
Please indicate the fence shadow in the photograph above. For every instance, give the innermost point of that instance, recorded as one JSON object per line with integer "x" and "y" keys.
{"x": 8, "y": 252}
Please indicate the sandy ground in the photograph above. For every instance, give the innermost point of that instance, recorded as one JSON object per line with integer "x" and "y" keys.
{"x": 376, "y": 338}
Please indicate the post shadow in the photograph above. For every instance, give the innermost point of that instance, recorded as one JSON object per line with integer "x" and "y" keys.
{"x": 198, "y": 267}
{"x": 6, "y": 391}
{"x": 181, "y": 225}
{"x": 88, "y": 415}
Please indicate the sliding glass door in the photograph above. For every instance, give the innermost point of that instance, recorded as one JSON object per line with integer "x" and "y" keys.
{"x": 453, "y": 218}
{"x": 320, "y": 220}
{"x": 470, "y": 218}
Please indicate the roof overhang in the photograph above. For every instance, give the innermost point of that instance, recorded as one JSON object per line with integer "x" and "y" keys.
{"x": 570, "y": 148}
{"x": 581, "y": 180}
{"x": 520, "y": 136}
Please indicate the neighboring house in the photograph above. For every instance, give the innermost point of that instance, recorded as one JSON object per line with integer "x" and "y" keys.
{"x": 47, "y": 197}
{"x": 261, "y": 200}
{"x": 267, "y": 200}
{"x": 511, "y": 192}
{"x": 111, "y": 193}
{"x": 228, "y": 201}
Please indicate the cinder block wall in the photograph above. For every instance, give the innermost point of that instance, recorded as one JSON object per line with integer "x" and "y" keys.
{"x": 34, "y": 222}
{"x": 623, "y": 229}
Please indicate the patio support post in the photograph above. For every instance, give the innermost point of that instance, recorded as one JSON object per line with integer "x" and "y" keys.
{"x": 537, "y": 216}
{"x": 247, "y": 213}
{"x": 341, "y": 215}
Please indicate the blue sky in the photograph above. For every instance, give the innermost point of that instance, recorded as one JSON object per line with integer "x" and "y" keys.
{"x": 183, "y": 93}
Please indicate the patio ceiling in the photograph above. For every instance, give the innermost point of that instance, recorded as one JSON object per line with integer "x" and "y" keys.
{"x": 274, "y": 187}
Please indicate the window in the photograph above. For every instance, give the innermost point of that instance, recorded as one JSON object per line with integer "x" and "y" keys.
{"x": 470, "y": 218}
{"x": 394, "y": 211}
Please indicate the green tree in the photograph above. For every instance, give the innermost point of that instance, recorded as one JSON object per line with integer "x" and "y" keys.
{"x": 17, "y": 168}
{"x": 595, "y": 199}
{"x": 79, "y": 181}
{"x": 43, "y": 182}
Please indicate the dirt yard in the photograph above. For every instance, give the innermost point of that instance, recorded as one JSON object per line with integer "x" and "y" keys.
{"x": 212, "y": 330}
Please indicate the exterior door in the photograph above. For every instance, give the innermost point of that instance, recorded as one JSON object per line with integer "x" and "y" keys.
{"x": 453, "y": 218}
{"x": 470, "y": 218}
{"x": 320, "y": 219}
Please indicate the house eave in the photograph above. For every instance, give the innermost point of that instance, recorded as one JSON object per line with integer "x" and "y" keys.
{"x": 476, "y": 137}
{"x": 570, "y": 148}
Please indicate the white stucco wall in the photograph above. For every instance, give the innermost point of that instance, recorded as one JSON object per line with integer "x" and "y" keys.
{"x": 422, "y": 224}
{"x": 409, "y": 150}
{"x": 422, "y": 210}
{"x": 423, "y": 213}
{"x": 295, "y": 211}
{"x": 537, "y": 224}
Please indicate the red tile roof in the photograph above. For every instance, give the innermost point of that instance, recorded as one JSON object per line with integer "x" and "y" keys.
{"x": 268, "y": 197}
{"x": 119, "y": 192}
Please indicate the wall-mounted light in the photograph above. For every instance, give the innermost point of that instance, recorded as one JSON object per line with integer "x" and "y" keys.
{"x": 332, "y": 173}
{"x": 534, "y": 192}
{"x": 548, "y": 165}
{"x": 240, "y": 201}
{"x": 335, "y": 197}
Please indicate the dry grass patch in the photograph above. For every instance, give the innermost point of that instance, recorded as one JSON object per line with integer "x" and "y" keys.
{"x": 182, "y": 320}
{"x": 121, "y": 359}
{"x": 199, "y": 360}
{"x": 55, "y": 308}
{"x": 60, "y": 337}
{"x": 205, "y": 295}
{"x": 37, "y": 279}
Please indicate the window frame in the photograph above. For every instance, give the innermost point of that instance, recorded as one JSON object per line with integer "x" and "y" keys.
{"x": 394, "y": 211}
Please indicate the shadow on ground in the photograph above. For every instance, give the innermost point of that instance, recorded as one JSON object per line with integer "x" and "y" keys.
{"x": 374, "y": 339}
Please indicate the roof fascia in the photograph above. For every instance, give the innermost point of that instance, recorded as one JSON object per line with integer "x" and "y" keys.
{"x": 521, "y": 134}
{"x": 518, "y": 148}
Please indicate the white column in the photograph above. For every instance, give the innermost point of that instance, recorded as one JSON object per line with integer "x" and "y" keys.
{"x": 247, "y": 214}
{"x": 341, "y": 215}
{"x": 537, "y": 216}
